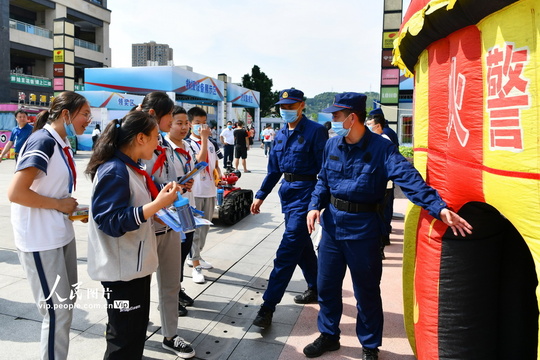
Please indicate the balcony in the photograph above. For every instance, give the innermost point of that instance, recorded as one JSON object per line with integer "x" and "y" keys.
{"x": 31, "y": 29}
{"x": 36, "y": 30}
{"x": 87, "y": 45}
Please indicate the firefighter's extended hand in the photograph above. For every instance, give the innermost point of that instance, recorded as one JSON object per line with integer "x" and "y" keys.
{"x": 312, "y": 216}
{"x": 255, "y": 207}
{"x": 456, "y": 222}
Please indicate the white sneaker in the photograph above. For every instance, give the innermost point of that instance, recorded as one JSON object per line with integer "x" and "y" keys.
{"x": 197, "y": 275}
{"x": 205, "y": 264}
{"x": 202, "y": 263}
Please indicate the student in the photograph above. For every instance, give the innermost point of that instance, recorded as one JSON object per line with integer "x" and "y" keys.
{"x": 184, "y": 164}
{"x": 19, "y": 134}
{"x": 40, "y": 192}
{"x": 204, "y": 188}
{"x": 162, "y": 170}
{"x": 122, "y": 249}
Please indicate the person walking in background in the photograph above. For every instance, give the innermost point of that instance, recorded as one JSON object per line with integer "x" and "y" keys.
{"x": 381, "y": 127}
{"x": 241, "y": 141}
{"x": 227, "y": 139}
{"x": 378, "y": 115}
{"x": 204, "y": 188}
{"x": 251, "y": 133}
{"x": 375, "y": 125}
{"x": 297, "y": 155}
{"x": 19, "y": 134}
{"x": 95, "y": 135}
{"x": 184, "y": 163}
{"x": 351, "y": 184}
{"x": 268, "y": 135}
{"x": 162, "y": 170}
{"x": 41, "y": 197}
{"x": 122, "y": 248}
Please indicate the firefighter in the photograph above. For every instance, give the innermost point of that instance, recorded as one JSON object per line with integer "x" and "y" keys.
{"x": 297, "y": 155}
{"x": 357, "y": 165}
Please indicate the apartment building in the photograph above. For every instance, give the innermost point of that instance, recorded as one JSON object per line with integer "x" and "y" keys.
{"x": 29, "y": 30}
{"x": 151, "y": 54}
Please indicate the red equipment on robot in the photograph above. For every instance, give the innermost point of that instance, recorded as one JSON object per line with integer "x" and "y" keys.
{"x": 233, "y": 202}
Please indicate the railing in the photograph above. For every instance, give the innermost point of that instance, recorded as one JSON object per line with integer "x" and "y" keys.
{"x": 31, "y": 29}
{"x": 87, "y": 45}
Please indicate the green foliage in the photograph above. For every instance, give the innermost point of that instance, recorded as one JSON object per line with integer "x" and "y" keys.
{"x": 406, "y": 151}
{"x": 260, "y": 82}
{"x": 316, "y": 104}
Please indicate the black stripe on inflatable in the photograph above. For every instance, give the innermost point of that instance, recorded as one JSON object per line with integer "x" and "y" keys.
{"x": 443, "y": 22}
{"x": 487, "y": 302}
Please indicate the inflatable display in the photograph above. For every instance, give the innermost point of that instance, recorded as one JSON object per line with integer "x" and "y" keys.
{"x": 476, "y": 67}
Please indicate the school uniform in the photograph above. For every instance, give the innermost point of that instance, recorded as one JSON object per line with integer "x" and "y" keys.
{"x": 162, "y": 171}
{"x": 45, "y": 239}
{"x": 184, "y": 163}
{"x": 122, "y": 252}
{"x": 204, "y": 191}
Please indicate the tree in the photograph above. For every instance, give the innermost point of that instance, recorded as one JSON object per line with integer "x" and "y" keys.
{"x": 263, "y": 84}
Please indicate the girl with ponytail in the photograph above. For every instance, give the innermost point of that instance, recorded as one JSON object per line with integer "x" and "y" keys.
{"x": 161, "y": 167}
{"x": 122, "y": 249}
{"x": 41, "y": 197}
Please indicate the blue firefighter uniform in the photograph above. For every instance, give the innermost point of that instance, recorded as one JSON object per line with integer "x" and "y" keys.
{"x": 351, "y": 186}
{"x": 297, "y": 155}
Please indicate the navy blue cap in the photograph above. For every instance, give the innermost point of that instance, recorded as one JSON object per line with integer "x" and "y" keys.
{"x": 290, "y": 96}
{"x": 377, "y": 111}
{"x": 348, "y": 101}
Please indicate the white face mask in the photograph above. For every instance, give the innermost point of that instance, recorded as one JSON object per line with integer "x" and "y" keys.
{"x": 337, "y": 126}
{"x": 288, "y": 116}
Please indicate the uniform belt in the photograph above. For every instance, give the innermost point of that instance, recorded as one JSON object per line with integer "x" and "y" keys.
{"x": 299, "y": 177}
{"x": 351, "y": 207}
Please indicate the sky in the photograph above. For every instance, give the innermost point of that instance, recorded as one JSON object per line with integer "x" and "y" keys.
{"x": 313, "y": 45}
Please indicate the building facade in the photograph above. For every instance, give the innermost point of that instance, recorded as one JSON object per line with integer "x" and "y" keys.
{"x": 151, "y": 54}
{"x": 29, "y": 29}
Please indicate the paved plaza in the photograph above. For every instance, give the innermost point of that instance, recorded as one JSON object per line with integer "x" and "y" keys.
{"x": 219, "y": 324}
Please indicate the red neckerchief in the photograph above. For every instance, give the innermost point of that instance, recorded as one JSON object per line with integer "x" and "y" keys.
{"x": 183, "y": 152}
{"x": 71, "y": 165}
{"x": 207, "y": 161}
{"x": 149, "y": 183}
{"x": 162, "y": 157}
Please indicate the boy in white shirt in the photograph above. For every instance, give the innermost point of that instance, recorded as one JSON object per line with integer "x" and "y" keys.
{"x": 204, "y": 187}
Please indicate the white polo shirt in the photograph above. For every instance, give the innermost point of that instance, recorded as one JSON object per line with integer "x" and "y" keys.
{"x": 43, "y": 229}
{"x": 228, "y": 135}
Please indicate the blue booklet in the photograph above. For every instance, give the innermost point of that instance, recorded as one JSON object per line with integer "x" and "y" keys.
{"x": 197, "y": 169}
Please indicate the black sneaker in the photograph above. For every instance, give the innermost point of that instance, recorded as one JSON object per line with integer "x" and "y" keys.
{"x": 179, "y": 346}
{"x": 182, "y": 311}
{"x": 263, "y": 318}
{"x": 184, "y": 298}
{"x": 309, "y": 296}
{"x": 323, "y": 344}
{"x": 370, "y": 354}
